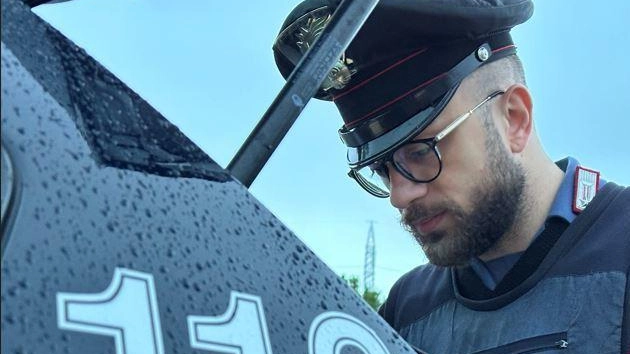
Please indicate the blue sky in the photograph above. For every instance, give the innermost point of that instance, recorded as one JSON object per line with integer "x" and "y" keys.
{"x": 207, "y": 66}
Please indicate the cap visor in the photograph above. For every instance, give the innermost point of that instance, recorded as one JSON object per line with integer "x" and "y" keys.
{"x": 375, "y": 149}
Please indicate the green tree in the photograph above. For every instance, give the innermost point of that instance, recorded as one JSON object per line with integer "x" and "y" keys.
{"x": 370, "y": 296}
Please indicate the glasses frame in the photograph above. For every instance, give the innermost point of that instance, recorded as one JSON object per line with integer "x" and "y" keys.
{"x": 432, "y": 142}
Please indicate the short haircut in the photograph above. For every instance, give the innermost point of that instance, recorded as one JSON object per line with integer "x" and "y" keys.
{"x": 498, "y": 75}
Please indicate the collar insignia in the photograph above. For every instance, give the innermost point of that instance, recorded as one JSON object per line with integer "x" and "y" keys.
{"x": 585, "y": 187}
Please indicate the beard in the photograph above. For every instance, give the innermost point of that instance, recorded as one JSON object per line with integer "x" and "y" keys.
{"x": 498, "y": 202}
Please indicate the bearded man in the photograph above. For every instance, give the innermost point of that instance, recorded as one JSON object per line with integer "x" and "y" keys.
{"x": 527, "y": 254}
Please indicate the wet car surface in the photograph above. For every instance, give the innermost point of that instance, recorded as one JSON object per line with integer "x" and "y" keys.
{"x": 121, "y": 235}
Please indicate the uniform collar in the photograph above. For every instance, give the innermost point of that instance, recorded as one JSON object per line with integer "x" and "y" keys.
{"x": 561, "y": 206}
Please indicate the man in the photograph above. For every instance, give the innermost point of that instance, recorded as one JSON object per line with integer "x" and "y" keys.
{"x": 526, "y": 254}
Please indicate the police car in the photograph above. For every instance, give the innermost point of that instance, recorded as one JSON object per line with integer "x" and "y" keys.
{"x": 119, "y": 235}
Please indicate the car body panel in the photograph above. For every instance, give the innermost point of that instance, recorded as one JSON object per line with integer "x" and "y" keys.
{"x": 107, "y": 194}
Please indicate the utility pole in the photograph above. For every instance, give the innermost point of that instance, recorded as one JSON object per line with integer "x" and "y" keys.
{"x": 368, "y": 265}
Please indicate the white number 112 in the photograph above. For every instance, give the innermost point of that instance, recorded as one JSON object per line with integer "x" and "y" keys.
{"x": 128, "y": 311}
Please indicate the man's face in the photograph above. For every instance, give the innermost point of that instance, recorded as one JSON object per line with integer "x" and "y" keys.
{"x": 476, "y": 198}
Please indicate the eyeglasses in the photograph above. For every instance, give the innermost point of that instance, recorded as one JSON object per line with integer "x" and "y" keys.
{"x": 418, "y": 160}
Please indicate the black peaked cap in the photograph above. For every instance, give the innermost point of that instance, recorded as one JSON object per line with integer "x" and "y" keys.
{"x": 404, "y": 65}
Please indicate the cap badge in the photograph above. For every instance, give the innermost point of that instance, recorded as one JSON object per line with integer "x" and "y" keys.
{"x": 586, "y": 184}
{"x": 342, "y": 71}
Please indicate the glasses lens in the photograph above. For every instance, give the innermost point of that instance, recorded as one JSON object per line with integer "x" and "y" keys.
{"x": 374, "y": 179}
{"x": 419, "y": 160}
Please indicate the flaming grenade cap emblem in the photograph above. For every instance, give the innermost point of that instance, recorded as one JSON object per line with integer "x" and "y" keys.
{"x": 343, "y": 70}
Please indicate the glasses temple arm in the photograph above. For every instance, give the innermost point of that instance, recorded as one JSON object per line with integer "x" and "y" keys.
{"x": 454, "y": 124}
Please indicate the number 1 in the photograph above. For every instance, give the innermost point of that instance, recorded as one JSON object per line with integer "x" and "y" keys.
{"x": 127, "y": 310}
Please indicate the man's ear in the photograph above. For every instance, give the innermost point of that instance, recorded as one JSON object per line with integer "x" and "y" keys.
{"x": 517, "y": 110}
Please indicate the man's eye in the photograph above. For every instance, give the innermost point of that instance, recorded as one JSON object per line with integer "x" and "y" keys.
{"x": 418, "y": 152}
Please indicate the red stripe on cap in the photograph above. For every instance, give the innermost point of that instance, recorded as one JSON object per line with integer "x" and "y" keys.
{"x": 503, "y": 48}
{"x": 364, "y": 82}
{"x": 397, "y": 99}
{"x": 348, "y": 125}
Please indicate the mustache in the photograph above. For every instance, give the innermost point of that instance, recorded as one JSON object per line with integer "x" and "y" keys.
{"x": 416, "y": 212}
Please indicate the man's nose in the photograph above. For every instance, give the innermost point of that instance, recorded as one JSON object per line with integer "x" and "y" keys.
{"x": 403, "y": 191}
